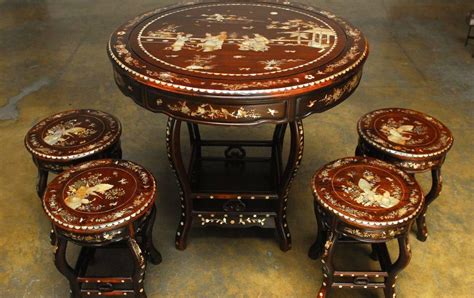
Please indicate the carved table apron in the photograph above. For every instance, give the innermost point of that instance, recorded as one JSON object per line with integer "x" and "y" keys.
{"x": 237, "y": 64}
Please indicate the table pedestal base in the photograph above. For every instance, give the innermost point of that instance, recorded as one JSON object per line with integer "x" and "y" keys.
{"x": 234, "y": 190}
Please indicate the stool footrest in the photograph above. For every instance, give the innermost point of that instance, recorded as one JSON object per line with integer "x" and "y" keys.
{"x": 111, "y": 293}
{"x": 112, "y": 280}
{"x": 360, "y": 274}
{"x": 372, "y": 285}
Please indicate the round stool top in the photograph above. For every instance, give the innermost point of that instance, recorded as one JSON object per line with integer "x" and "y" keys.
{"x": 72, "y": 135}
{"x": 405, "y": 133}
{"x": 367, "y": 191}
{"x": 99, "y": 195}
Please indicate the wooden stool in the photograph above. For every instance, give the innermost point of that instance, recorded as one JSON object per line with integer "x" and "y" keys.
{"x": 103, "y": 204}
{"x": 363, "y": 200}
{"x": 69, "y": 138}
{"x": 413, "y": 141}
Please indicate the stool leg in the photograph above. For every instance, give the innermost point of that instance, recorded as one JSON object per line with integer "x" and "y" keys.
{"x": 316, "y": 249}
{"x": 328, "y": 266}
{"x": 402, "y": 261}
{"x": 139, "y": 267}
{"x": 373, "y": 254}
{"x": 422, "y": 230}
{"x": 115, "y": 152}
{"x": 52, "y": 236}
{"x": 41, "y": 182}
{"x": 63, "y": 266}
{"x": 359, "y": 150}
{"x": 151, "y": 251}
{"x": 468, "y": 36}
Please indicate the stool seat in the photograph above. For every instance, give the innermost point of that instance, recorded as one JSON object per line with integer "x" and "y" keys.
{"x": 72, "y": 135}
{"x": 99, "y": 195}
{"x": 368, "y": 193}
{"x": 406, "y": 135}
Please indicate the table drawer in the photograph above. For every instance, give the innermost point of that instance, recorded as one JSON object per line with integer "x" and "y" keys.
{"x": 220, "y": 113}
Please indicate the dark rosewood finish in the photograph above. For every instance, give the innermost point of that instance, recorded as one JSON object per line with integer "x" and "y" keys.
{"x": 363, "y": 200}
{"x": 413, "y": 141}
{"x": 68, "y": 138}
{"x": 103, "y": 204}
{"x": 237, "y": 63}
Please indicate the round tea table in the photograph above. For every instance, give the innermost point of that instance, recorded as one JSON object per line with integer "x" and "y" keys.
{"x": 237, "y": 64}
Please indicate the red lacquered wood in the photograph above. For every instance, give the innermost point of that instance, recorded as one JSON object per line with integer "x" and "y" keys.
{"x": 238, "y": 62}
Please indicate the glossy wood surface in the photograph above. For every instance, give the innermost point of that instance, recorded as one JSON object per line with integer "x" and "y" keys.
{"x": 99, "y": 196}
{"x": 238, "y": 62}
{"x": 72, "y": 135}
{"x": 367, "y": 192}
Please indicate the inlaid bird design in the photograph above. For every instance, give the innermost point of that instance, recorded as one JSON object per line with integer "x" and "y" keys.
{"x": 59, "y": 133}
{"x": 79, "y": 196}
{"x": 399, "y": 135}
{"x": 370, "y": 197}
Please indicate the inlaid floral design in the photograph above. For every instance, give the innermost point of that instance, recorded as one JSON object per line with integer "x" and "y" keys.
{"x": 337, "y": 93}
{"x": 201, "y": 62}
{"x": 275, "y": 64}
{"x": 207, "y": 111}
{"x": 59, "y": 134}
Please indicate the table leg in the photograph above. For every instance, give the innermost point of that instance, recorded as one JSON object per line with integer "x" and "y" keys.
{"x": 292, "y": 165}
{"x": 173, "y": 144}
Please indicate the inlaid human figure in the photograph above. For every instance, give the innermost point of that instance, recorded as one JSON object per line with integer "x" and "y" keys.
{"x": 213, "y": 42}
{"x": 180, "y": 42}
{"x": 258, "y": 44}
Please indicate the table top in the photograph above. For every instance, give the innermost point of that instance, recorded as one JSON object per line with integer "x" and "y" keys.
{"x": 73, "y": 134}
{"x": 240, "y": 52}
{"x": 368, "y": 192}
{"x": 99, "y": 195}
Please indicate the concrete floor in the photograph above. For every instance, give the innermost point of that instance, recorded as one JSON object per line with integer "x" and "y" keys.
{"x": 53, "y": 59}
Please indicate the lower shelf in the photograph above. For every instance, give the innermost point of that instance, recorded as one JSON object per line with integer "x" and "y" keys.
{"x": 250, "y": 176}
